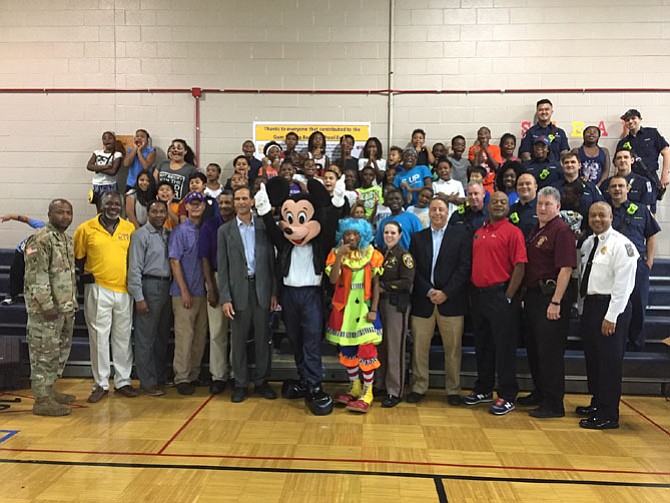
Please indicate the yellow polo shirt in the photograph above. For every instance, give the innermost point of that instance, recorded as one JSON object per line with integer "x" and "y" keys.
{"x": 106, "y": 255}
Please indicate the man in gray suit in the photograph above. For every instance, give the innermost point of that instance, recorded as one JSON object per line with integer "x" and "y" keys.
{"x": 247, "y": 291}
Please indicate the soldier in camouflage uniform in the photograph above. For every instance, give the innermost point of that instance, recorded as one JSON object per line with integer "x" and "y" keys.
{"x": 50, "y": 293}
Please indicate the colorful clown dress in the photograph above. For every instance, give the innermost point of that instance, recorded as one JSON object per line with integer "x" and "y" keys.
{"x": 347, "y": 325}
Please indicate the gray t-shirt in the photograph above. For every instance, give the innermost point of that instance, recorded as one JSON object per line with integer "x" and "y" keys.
{"x": 460, "y": 169}
{"x": 178, "y": 178}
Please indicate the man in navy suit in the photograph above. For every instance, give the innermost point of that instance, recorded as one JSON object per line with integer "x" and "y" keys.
{"x": 247, "y": 291}
{"x": 443, "y": 256}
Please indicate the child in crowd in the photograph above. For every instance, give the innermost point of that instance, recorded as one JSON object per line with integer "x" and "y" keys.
{"x": 346, "y": 160}
{"x": 248, "y": 150}
{"x": 287, "y": 172}
{"x": 506, "y": 180}
{"x": 439, "y": 151}
{"x": 420, "y": 209}
{"x": 137, "y": 199}
{"x": 197, "y": 183}
{"x": 213, "y": 174}
{"x": 141, "y": 157}
{"x": 316, "y": 149}
{"x": 239, "y": 180}
{"x": 354, "y": 325}
{"x": 507, "y": 148}
{"x": 241, "y": 167}
{"x": 358, "y": 210}
{"x": 368, "y": 193}
{"x": 381, "y": 210}
{"x": 104, "y": 164}
{"x": 482, "y": 153}
{"x": 395, "y": 159}
{"x": 330, "y": 177}
{"x": 459, "y": 163}
{"x": 308, "y": 173}
{"x": 271, "y": 161}
{"x": 256, "y": 186}
{"x": 178, "y": 168}
{"x": 290, "y": 152}
{"x": 570, "y": 202}
{"x": 165, "y": 193}
{"x": 372, "y": 156}
{"x": 424, "y": 157}
{"x": 452, "y": 189}
{"x": 595, "y": 159}
{"x": 351, "y": 184}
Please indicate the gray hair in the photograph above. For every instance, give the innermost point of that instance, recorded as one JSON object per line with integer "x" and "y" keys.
{"x": 550, "y": 192}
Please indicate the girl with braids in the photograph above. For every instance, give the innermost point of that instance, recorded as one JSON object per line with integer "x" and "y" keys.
{"x": 354, "y": 269}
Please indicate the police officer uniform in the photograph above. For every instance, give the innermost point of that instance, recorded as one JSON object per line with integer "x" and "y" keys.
{"x": 640, "y": 189}
{"x": 545, "y": 172}
{"x": 49, "y": 283}
{"x": 608, "y": 263}
{"x": 524, "y": 216}
{"x": 637, "y": 224}
{"x": 467, "y": 217}
{"x": 396, "y": 282}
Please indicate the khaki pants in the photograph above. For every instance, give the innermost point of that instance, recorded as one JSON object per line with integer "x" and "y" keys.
{"x": 190, "y": 336}
{"x": 451, "y": 330}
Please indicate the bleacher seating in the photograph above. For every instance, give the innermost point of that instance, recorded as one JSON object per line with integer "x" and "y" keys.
{"x": 646, "y": 372}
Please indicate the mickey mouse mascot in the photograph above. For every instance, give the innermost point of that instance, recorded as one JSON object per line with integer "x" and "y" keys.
{"x": 303, "y": 236}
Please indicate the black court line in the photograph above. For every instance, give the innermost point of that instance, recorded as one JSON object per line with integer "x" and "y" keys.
{"x": 441, "y": 493}
{"x": 339, "y": 472}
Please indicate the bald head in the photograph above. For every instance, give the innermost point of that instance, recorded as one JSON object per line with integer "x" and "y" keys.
{"x": 600, "y": 217}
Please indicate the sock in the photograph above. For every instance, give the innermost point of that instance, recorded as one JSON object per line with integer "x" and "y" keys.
{"x": 352, "y": 372}
{"x": 368, "y": 378}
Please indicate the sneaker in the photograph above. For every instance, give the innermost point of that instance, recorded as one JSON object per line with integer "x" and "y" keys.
{"x": 153, "y": 391}
{"x": 475, "y": 398}
{"x": 8, "y": 301}
{"x": 128, "y": 391}
{"x": 217, "y": 387}
{"x": 501, "y": 407}
{"x": 265, "y": 391}
{"x": 239, "y": 395}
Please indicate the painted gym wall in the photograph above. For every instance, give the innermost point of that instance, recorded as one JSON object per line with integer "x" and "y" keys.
{"x": 47, "y": 138}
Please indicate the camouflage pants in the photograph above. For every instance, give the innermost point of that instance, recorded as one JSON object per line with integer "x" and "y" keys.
{"x": 49, "y": 345}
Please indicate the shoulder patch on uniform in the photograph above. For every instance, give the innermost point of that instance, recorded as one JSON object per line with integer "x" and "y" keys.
{"x": 630, "y": 250}
{"x": 514, "y": 218}
{"x": 30, "y": 250}
{"x": 408, "y": 260}
{"x": 461, "y": 209}
{"x": 632, "y": 208}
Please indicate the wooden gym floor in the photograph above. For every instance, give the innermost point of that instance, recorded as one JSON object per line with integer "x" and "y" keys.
{"x": 204, "y": 448}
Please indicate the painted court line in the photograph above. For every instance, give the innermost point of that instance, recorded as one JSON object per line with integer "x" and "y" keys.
{"x": 340, "y": 472}
{"x": 185, "y": 425}
{"x": 646, "y": 417}
{"x": 7, "y": 434}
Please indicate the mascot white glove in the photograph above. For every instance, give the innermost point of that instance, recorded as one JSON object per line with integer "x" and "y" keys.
{"x": 262, "y": 201}
{"x": 338, "y": 193}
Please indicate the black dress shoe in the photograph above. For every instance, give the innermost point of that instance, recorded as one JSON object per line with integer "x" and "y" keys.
{"x": 217, "y": 387}
{"x": 544, "y": 413}
{"x": 239, "y": 395}
{"x": 596, "y": 423}
{"x": 318, "y": 401}
{"x": 265, "y": 391}
{"x": 530, "y": 400}
{"x": 391, "y": 401}
{"x": 415, "y": 397}
{"x": 185, "y": 388}
{"x": 586, "y": 411}
{"x": 292, "y": 388}
{"x": 454, "y": 400}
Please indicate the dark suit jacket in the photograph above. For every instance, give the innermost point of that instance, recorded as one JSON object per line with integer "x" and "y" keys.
{"x": 232, "y": 271}
{"x": 452, "y": 271}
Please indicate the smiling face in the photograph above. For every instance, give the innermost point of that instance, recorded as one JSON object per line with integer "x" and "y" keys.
{"x": 544, "y": 113}
{"x": 248, "y": 148}
{"x": 424, "y": 197}
{"x": 178, "y": 151}
{"x": 438, "y": 212}
{"x": 458, "y": 147}
{"x": 509, "y": 180}
{"x": 367, "y": 177}
{"x": 110, "y": 205}
{"x": 547, "y": 209}
{"x": 623, "y": 162}
{"x": 418, "y": 140}
{"x": 143, "y": 182}
{"x": 618, "y": 190}
{"x": 391, "y": 234}
{"x": 633, "y": 123}
{"x": 571, "y": 167}
{"x": 444, "y": 170}
{"x": 395, "y": 157}
{"x": 297, "y": 221}
{"x": 540, "y": 151}
{"x": 394, "y": 201}
{"x": 243, "y": 202}
{"x": 526, "y": 187}
{"x": 409, "y": 159}
{"x": 475, "y": 195}
{"x": 309, "y": 168}
{"x": 600, "y": 217}
{"x": 226, "y": 206}
{"x": 329, "y": 179}
{"x": 157, "y": 215}
{"x": 165, "y": 193}
{"x": 507, "y": 147}
{"x": 484, "y": 135}
{"x": 196, "y": 184}
{"x": 591, "y": 136}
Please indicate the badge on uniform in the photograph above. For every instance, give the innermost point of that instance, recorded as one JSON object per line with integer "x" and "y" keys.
{"x": 408, "y": 260}
{"x": 629, "y": 250}
{"x": 540, "y": 241}
{"x": 30, "y": 250}
{"x": 603, "y": 250}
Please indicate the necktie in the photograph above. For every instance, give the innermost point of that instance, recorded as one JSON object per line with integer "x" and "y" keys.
{"x": 583, "y": 287}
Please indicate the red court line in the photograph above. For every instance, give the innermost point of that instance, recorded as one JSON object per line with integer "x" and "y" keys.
{"x": 342, "y": 460}
{"x": 646, "y": 417}
{"x": 183, "y": 426}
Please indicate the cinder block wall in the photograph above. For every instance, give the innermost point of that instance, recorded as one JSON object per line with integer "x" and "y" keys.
{"x": 46, "y": 139}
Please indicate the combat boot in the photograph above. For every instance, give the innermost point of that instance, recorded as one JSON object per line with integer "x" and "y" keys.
{"x": 48, "y": 407}
{"x": 353, "y": 394}
{"x": 363, "y": 403}
{"x": 59, "y": 397}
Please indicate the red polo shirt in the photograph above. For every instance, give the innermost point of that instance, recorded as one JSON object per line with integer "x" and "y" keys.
{"x": 549, "y": 249}
{"x": 496, "y": 249}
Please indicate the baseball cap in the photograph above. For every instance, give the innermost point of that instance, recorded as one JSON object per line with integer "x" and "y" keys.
{"x": 194, "y": 196}
{"x": 542, "y": 139}
{"x": 631, "y": 113}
